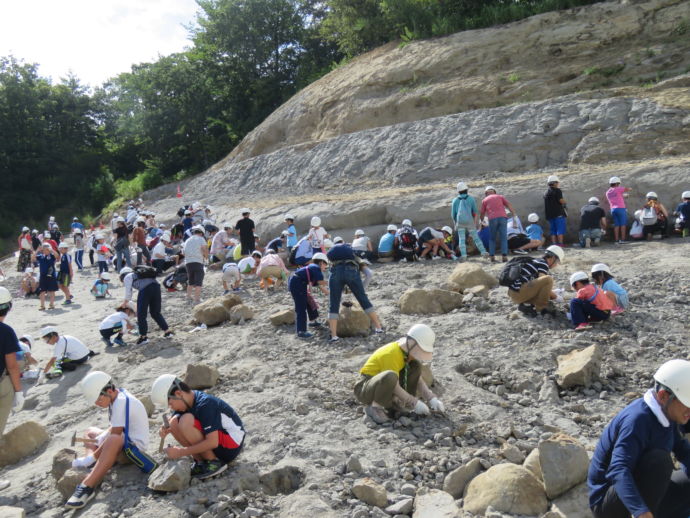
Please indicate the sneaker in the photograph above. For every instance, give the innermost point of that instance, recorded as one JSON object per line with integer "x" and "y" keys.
{"x": 212, "y": 468}
{"x": 505, "y": 259}
{"x": 333, "y": 339}
{"x": 119, "y": 341}
{"x": 305, "y": 334}
{"x": 492, "y": 259}
{"x": 617, "y": 311}
{"x": 377, "y": 414}
{"x": 520, "y": 252}
{"x": 379, "y": 331}
{"x": 81, "y": 496}
{"x": 527, "y": 310}
{"x": 453, "y": 257}
{"x": 198, "y": 467}
{"x": 315, "y": 323}
{"x": 435, "y": 257}
{"x": 142, "y": 340}
{"x": 583, "y": 327}
{"x": 596, "y": 242}
{"x": 226, "y": 292}
{"x": 67, "y": 302}
{"x": 588, "y": 242}
{"x": 107, "y": 342}
{"x": 623, "y": 242}
{"x": 168, "y": 334}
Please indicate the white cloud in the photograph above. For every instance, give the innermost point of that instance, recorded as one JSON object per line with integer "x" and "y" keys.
{"x": 95, "y": 39}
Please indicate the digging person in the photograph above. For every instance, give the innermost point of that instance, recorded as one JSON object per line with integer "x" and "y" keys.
{"x": 209, "y": 429}
{"x": 632, "y": 472}
{"x": 532, "y": 287}
{"x": 148, "y": 300}
{"x": 125, "y": 412}
{"x": 391, "y": 379}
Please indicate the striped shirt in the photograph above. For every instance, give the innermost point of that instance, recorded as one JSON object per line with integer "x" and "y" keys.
{"x": 530, "y": 271}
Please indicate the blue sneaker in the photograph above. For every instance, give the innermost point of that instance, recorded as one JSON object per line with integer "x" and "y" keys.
{"x": 107, "y": 342}
{"x": 305, "y": 334}
{"x": 119, "y": 341}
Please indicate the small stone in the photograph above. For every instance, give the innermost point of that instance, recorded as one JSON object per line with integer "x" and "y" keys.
{"x": 69, "y": 481}
{"x": 564, "y": 463}
{"x": 456, "y": 481}
{"x": 240, "y": 314}
{"x": 512, "y": 453}
{"x": 404, "y": 506}
{"x": 435, "y": 503}
{"x": 148, "y": 404}
{"x": 370, "y": 492}
{"x": 353, "y": 464}
{"x": 507, "y": 488}
{"x": 408, "y": 489}
{"x": 579, "y": 367}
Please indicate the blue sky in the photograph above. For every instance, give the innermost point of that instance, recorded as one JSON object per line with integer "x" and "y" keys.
{"x": 95, "y": 39}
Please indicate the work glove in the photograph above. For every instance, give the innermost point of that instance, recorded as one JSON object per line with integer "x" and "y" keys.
{"x": 436, "y": 405}
{"x": 559, "y": 295}
{"x": 420, "y": 408}
{"x": 18, "y": 401}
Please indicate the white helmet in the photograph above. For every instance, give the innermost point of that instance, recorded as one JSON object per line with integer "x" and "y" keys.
{"x": 319, "y": 256}
{"x": 685, "y": 195}
{"x": 207, "y": 222}
{"x": 533, "y": 218}
{"x": 652, "y": 194}
{"x": 28, "y": 339}
{"x": 359, "y": 232}
{"x": 289, "y": 216}
{"x": 126, "y": 270}
{"x": 424, "y": 336}
{"x": 556, "y": 251}
{"x": 489, "y": 188}
{"x": 316, "y": 221}
{"x": 46, "y": 234}
{"x": 284, "y": 233}
{"x": 406, "y": 222}
{"x": 198, "y": 228}
{"x": 45, "y": 331}
{"x": 52, "y": 218}
{"x": 75, "y": 218}
{"x": 462, "y": 186}
{"x": 115, "y": 214}
{"x": 638, "y": 213}
{"x": 140, "y": 219}
{"x": 552, "y": 179}
{"x": 327, "y": 243}
{"x": 613, "y": 180}
{"x": 338, "y": 239}
{"x": 187, "y": 212}
{"x": 675, "y": 375}
{"x": 244, "y": 210}
{"x": 5, "y": 298}
{"x": 391, "y": 227}
{"x": 270, "y": 251}
{"x": 105, "y": 276}
{"x": 256, "y": 252}
{"x": 447, "y": 229}
{"x": 161, "y": 389}
{"x": 593, "y": 200}
{"x": 120, "y": 220}
{"x": 131, "y": 306}
{"x": 601, "y": 267}
{"x": 93, "y": 383}
{"x": 25, "y": 229}
{"x": 578, "y": 276}
{"x": 99, "y": 236}
{"x": 63, "y": 245}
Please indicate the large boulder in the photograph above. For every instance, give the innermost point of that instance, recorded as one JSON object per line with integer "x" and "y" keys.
{"x": 573, "y": 504}
{"x": 201, "y": 376}
{"x": 429, "y": 301}
{"x": 456, "y": 481}
{"x": 69, "y": 480}
{"x": 283, "y": 318}
{"x": 230, "y": 300}
{"x": 564, "y": 463}
{"x": 435, "y": 503}
{"x": 285, "y": 479}
{"x": 211, "y": 312}
{"x": 507, "y": 488}
{"x": 173, "y": 475}
{"x": 21, "y": 442}
{"x": 532, "y": 465}
{"x": 11, "y": 512}
{"x": 241, "y": 313}
{"x": 352, "y": 321}
{"x": 579, "y": 367}
{"x": 468, "y": 275}
{"x": 370, "y": 492}
{"x": 62, "y": 461}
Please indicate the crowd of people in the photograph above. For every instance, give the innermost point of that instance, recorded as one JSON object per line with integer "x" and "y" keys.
{"x": 209, "y": 430}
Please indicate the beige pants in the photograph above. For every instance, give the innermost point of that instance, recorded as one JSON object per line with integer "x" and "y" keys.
{"x": 271, "y": 271}
{"x": 6, "y": 400}
{"x": 536, "y": 292}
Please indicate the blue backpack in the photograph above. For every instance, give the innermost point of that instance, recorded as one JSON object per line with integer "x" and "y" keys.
{"x": 464, "y": 215}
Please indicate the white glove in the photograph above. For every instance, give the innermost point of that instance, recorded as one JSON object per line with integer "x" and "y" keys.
{"x": 420, "y": 408}
{"x": 18, "y": 401}
{"x": 41, "y": 377}
{"x": 559, "y": 298}
{"x": 436, "y": 405}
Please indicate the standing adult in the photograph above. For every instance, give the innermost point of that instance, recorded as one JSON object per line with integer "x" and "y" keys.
{"x": 555, "y": 209}
{"x": 632, "y": 472}
{"x": 465, "y": 215}
{"x": 245, "y": 227}
{"x": 11, "y": 395}
{"x": 25, "y": 249}
{"x": 139, "y": 239}
{"x": 494, "y": 206}
{"x": 66, "y": 272}
{"x": 532, "y": 289}
{"x": 195, "y": 253}
{"x": 148, "y": 301}
{"x": 121, "y": 236}
{"x": 592, "y": 223}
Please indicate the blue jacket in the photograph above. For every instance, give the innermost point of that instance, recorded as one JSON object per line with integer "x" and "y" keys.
{"x": 632, "y": 433}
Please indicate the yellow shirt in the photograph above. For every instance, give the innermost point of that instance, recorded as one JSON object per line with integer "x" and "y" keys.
{"x": 389, "y": 357}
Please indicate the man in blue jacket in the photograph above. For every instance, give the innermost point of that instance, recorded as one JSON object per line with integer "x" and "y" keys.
{"x": 631, "y": 473}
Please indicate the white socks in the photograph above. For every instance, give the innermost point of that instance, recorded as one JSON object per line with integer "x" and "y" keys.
{"x": 84, "y": 462}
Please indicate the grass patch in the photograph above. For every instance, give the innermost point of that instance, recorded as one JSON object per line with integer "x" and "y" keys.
{"x": 514, "y": 77}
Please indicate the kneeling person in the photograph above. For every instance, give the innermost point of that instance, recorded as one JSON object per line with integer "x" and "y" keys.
{"x": 207, "y": 427}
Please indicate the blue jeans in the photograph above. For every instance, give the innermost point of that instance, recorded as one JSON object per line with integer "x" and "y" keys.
{"x": 102, "y": 267}
{"x": 298, "y": 290}
{"x": 122, "y": 256}
{"x": 462, "y": 244}
{"x": 149, "y": 301}
{"x": 498, "y": 227}
{"x": 346, "y": 275}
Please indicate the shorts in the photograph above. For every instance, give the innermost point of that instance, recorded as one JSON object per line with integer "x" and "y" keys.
{"x": 64, "y": 279}
{"x": 517, "y": 240}
{"x": 47, "y": 283}
{"x": 426, "y": 236}
{"x": 195, "y": 274}
{"x": 231, "y": 275}
{"x": 620, "y": 217}
{"x": 227, "y": 449}
{"x": 557, "y": 226}
{"x": 271, "y": 271}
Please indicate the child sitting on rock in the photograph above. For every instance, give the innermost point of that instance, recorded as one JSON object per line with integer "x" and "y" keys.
{"x": 603, "y": 277}
{"x": 118, "y": 324}
{"x": 590, "y": 304}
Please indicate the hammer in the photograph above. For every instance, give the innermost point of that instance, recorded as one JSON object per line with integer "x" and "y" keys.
{"x": 166, "y": 424}
{"x": 83, "y": 440}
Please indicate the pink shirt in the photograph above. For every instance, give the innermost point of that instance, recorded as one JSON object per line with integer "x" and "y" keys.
{"x": 271, "y": 260}
{"x": 601, "y": 301}
{"x": 494, "y": 206}
{"x": 615, "y": 197}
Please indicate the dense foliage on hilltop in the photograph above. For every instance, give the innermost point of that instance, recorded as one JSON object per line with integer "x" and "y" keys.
{"x": 68, "y": 150}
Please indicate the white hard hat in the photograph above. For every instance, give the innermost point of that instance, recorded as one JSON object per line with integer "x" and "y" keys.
{"x": 63, "y": 245}
{"x": 5, "y": 297}
{"x": 391, "y": 227}
{"x": 424, "y": 336}
{"x": 601, "y": 267}
{"x": 533, "y": 218}
{"x": 25, "y": 229}
{"x": 256, "y": 252}
{"x": 489, "y": 188}
{"x": 462, "y": 186}
{"x": 289, "y": 216}
{"x": 198, "y": 228}
{"x": 196, "y": 205}
{"x": 120, "y": 220}
{"x": 447, "y": 229}
{"x": 207, "y": 222}
{"x": 556, "y": 251}
{"x": 270, "y": 251}
{"x": 327, "y": 243}
{"x": 166, "y": 236}
{"x": 100, "y": 236}
{"x": 594, "y": 200}
{"x": 45, "y": 331}
{"x": 578, "y": 276}
{"x": 93, "y": 383}
{"x": 675, "y": 375}
{"x": 126, "y": 270}
{"x": 337, "y": 240}
{"x": 75, "y": 219}
{"x": 316, "y": 221}
{"x": 115, "y": 214}
{"x": 105, "y": 276}
{"x": 131, "y": 306}
{"x": 28, "y": 338}
{"x": 638, "y": 213}
{"x": 319, "y": 256}
{"x": 160, "y": 390}
{"x": 244, "y": 210}
{"x": 407, "y": 222}
{"x": 652, "y": 194}
{"x": 614, "y": 179}
{"x": 187, "y": 212}
{"x": 284, "y": 233}
{"x": 46, "y": 234}
{"x": 552, "y": 179}
{"x": 140, "y": 219}
{"x": 686, "y": 194}
{"x": 52, "y": 218}
{"x": 359, "y": 232}
{"x": 162, "y": 225}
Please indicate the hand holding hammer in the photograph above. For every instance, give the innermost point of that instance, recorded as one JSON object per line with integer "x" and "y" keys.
{"x": 166, "y": 426}
{"x": 83, "y": 440}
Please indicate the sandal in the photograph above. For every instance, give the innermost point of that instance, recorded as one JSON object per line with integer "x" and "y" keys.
{"x": 42, "y": 308}
{"x": 51, "y": 307}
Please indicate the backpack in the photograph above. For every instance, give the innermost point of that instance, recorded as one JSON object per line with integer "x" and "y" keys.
{"x": 145, "y": 272}
{"x": 511, "y": 271}
{"x": 292, "y": 256}
{"x": 408, "y": 240}
{"x": 464, "y": 215}
{"x": 649, "y": 216}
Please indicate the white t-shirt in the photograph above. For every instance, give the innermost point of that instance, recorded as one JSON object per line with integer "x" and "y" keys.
{"x": 138, "y": 430}
{"x": 158, "y": 251}
{"x": 246, "y": 264}
{"x": 360, "y": 243}
{"x": 220, "y": 241}
{"x": 113, "y": 320}
{"x": 70, "y": 347}
{"x": 192, "y": 249}
{"x": 316, "y": 236}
